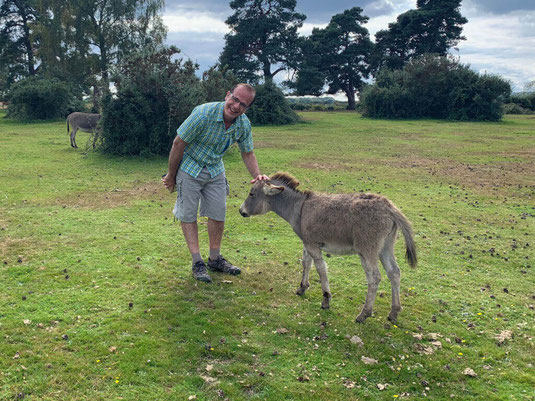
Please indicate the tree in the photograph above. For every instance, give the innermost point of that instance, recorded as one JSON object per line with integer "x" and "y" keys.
{"x": 156, "y": 91}
{"x": 36, "y": 97}
{"x": 339, "y": 54}
{"x": 263, "y": 38}
{"x": 436, "y": 87}
{"x": 310, "y": 79}
{"x": 116, "y": 28}
{"x": 433, "y": 27}
{"x": 271, "y": 107}
{"x": 216, "y": 81}
{"x": 17, "y": 48}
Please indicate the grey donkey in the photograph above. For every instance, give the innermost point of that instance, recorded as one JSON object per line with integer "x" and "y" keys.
{"x": 87, "y": 122}
{"x": 362, "y": 224}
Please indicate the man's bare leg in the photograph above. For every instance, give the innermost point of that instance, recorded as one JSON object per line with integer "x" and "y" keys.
{"x": 216, "y": 262}
{"x": 215, "y": 233}
{"x": 191, "y": 234}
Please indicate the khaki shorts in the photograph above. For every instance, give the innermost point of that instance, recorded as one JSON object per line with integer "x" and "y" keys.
{"x": 210, "y": 192}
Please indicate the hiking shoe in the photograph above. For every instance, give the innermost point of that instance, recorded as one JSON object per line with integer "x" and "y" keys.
{"x": 200, "y": 273}
{"x": 224, "y": 266}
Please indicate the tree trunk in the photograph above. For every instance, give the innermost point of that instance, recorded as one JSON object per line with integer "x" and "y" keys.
{"x": 350, "y": 93}
{"x": 28, "y": 45}
{"x": 268, "y": 77}
{"x": 96, "y": 99}
{"x": 104, "y": 64}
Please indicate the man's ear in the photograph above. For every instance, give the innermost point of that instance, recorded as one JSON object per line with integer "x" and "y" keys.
{"x": 270, "y": 189}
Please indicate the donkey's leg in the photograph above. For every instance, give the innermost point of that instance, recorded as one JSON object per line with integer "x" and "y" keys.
{"x": 321, "y": 268}
{"x": 73, "y": 137}
{"x": 307, "y": 264}
{"x": 388, "y": 261}
{"x": 373, "y": 276}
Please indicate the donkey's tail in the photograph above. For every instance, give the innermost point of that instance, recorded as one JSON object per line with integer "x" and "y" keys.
{"x": 403, "y": 223}
{"x": 67, "y": 124}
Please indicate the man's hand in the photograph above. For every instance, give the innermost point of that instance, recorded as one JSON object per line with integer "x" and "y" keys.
{"x": 169, "y": 182}
{"x": 260, "y": 177}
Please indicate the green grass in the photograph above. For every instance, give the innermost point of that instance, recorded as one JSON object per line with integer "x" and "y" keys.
{"x": 98, "y": 302}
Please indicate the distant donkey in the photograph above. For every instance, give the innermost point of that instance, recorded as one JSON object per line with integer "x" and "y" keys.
{"x": 87, "y": 122}
{"x": 363, "y": 224}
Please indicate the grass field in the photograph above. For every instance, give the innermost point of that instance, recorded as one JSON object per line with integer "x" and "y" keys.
{"x": 97, "y": 301}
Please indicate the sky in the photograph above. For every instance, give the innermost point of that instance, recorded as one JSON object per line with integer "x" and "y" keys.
{"x": 500, "y": 34}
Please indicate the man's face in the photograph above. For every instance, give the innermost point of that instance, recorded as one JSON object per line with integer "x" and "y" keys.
{"x": 236, "y": 103}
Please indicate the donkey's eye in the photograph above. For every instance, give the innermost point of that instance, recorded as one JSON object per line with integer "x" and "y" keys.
{"x": 251, "y": 195}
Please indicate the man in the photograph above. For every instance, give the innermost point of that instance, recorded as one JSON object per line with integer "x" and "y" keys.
{"x": 201, "y": 141}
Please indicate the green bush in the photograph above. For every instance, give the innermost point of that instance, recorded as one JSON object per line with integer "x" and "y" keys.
{"x": 38, "y": 98}
{"x": 524, "y": 100}
{"x": 271, "y": 107}
{"x": 435, "y": 87}
{"x": 156, "y": 93}
{"x": 513, "y": 108}
{"x": 216, "y": 82}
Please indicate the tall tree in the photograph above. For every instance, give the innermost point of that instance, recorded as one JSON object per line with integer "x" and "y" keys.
{"x": 17, "y": 48}
{"x": 263, "y": 38}
{"x": 308, "y": 78}
{"x": 339, "y": 54}
{"x": 433, "y": 27}
{"x": 115, "y": 28}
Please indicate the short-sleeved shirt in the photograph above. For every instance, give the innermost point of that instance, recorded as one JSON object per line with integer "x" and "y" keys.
{"x": 208, "y": 140}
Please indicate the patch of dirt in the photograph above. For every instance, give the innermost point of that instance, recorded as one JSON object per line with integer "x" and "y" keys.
{"x": 17, "y": 250}
{"x": 117, "y": 197}
{"x": 265, "y": 144}
{"x": 498, "y": 176}
{"x": 322, "y": 166}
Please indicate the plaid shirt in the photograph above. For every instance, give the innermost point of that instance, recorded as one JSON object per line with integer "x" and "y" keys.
{"x": 204, "y": 131}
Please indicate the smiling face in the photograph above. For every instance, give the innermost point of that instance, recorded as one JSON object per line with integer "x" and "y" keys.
{"x": 236, "y": 103}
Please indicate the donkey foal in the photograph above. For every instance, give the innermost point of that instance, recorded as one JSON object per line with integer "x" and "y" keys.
{"x": 363, "y": 224}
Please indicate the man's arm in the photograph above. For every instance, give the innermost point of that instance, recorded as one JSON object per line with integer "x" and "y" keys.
{"x": 175, "y": 157}
{"x": 249, "y": 159}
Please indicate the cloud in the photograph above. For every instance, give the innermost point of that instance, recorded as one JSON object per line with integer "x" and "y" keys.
{"x": 306, "y": 29}
{"x": 499, "y": 6}
{"x": 501, "y": 44}
{"x": 183, "y": 20}
{"x": 379, "y": 7}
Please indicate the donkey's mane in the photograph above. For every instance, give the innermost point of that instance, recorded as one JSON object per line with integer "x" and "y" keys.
{"x": 289, "y": 181}
{"x": 286, "y": 179}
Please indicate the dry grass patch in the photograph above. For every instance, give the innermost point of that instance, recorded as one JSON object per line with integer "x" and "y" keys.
{"x": 499, "y": 176}
{"x": 324, "y": 166}
{"x": 116, "y": 197}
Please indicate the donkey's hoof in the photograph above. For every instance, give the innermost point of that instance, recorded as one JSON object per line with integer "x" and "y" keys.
{"x": 325, "y": 305}
{"x": 301, "y": 290}
{"x": 362, "y": 317}
{"x": 393, "y": 317}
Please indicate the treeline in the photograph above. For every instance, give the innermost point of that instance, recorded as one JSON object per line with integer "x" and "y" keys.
{"x": 77, "y": 41}
{"x": 54, "y": 53}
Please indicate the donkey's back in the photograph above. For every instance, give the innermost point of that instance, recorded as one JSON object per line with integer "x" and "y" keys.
{"x": 347, "y": 223}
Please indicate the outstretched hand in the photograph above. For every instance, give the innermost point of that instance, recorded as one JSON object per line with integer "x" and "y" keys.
{"x": 260, "y": 177}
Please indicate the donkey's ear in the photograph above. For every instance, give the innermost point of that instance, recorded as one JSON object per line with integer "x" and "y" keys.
{"x": 270, "y": 189}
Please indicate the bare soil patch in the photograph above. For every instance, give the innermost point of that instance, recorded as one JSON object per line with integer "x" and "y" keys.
{"x": 498, "y": 176}
{"x": 117, "y": 197}
{"x": 322, "y": 166}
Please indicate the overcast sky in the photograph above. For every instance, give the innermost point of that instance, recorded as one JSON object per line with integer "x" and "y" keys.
{"x": 500, "y": 34}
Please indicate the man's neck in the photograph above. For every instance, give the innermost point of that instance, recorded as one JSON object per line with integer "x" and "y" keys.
{"x": 227, "y": 123}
